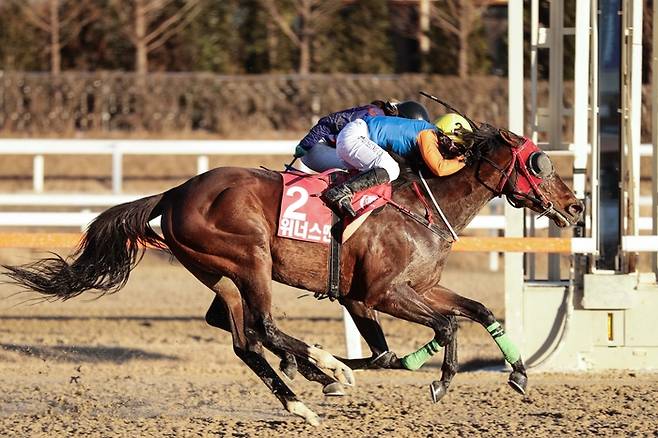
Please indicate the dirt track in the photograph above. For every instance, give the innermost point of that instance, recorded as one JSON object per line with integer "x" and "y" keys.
{"x": 143, "y": 362}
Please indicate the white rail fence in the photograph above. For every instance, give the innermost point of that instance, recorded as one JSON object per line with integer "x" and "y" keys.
{"x": 117, "y": 149}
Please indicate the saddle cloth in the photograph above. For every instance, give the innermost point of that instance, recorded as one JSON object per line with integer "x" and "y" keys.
{"x": 304, "y": 216}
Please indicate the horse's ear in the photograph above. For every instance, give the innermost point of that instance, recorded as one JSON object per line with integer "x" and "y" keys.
{"x": 511, "y": 138}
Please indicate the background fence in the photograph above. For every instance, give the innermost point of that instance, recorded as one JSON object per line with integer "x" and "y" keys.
{"x": 252, "y": 106}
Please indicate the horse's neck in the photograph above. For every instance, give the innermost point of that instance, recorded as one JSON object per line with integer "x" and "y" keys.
{"x": 461, "y": 196}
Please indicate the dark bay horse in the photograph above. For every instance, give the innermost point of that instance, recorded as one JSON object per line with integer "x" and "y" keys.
{"x": 221, "y": 226}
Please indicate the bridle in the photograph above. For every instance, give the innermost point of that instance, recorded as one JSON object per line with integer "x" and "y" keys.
{"x": 530, "y": 165}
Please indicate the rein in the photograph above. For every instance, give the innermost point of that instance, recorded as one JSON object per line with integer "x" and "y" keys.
{"x": 421, "y": 220}
{"x": 427, "y": 221}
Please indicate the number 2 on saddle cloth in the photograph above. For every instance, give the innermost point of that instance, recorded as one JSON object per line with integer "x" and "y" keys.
{"x": 304, "y": 216}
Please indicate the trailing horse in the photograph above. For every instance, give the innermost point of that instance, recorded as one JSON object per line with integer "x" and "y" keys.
{"x": 222, "y": 225}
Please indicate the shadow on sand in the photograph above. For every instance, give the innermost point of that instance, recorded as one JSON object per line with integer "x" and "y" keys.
{"x": 77, "y": 354}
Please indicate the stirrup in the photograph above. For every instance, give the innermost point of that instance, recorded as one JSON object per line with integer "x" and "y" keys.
{"x": 345, "y": 205}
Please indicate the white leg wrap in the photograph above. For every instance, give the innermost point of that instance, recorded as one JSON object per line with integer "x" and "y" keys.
{"x": 300, "y": 409}
{"x": 323, "y": 359}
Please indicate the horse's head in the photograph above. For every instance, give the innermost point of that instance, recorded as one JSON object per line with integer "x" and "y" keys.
{"x": 515, "y": 167}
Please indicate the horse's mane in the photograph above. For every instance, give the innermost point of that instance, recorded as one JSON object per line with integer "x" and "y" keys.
{"x": 481, "y": 142}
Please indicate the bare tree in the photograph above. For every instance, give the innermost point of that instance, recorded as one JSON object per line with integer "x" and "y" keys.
{"x": 147, "y": 26}
{"x": 46, "y": 16}
{"x": 459, "y": 17}
{"x": 312, "y": 17}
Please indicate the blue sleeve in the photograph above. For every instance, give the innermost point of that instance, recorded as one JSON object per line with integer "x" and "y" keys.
{"x": 329, "y": 126}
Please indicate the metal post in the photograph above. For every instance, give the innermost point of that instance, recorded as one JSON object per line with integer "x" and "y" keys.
{"x": 514, "y": 217}
{"x": 555, "y": 106}
{"x": 117, "y": 170}
{"x": 580, "y": 100}
{"x": 594, "y": 129}
{"x": 654, "y": 134}
{"x": 352, "y": 337}
{"x": 38, "y": 173}
{"x": 536, "y": 123}
{"x": 202, "y": 164}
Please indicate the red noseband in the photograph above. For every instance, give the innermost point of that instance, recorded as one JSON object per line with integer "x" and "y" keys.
{"x": 525, "y": 182}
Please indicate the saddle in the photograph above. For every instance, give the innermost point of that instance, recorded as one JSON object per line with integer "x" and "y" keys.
{"x": 304, "y": 216}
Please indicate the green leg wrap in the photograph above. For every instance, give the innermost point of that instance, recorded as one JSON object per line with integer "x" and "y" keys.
{"x": 413, "y": 361}
{"x": 506, "y": 346}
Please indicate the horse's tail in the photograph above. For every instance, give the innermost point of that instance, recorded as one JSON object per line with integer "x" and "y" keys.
{"x": 110, "y": 248}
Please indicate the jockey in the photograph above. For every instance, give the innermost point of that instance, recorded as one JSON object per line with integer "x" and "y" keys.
{"x": 317, "y": 147}
{"x": 362, "y": 144}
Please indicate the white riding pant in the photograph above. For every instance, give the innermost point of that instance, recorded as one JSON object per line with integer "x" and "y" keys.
{"x": 354, "y": 147}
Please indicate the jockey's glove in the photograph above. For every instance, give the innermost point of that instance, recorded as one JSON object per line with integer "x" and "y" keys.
{"x": 300, "y": 151}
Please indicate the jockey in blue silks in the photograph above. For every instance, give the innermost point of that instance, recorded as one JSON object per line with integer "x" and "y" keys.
{"x": 317, "y": 148}
{"x": 363, "y": 145}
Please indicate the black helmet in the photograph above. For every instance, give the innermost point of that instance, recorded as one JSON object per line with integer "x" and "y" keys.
{"x": 413, "y": 110}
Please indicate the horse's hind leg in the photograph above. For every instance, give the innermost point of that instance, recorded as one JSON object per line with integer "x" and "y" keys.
{"x": 255, "y": 287}
{"x": 217, "y": 316}
{"x": 249, "y": 350}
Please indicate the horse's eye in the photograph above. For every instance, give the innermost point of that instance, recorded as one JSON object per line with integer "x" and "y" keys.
{"x": 539, "y": 164}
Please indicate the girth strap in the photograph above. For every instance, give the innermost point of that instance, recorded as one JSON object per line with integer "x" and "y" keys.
{"x": 333, "y": 286}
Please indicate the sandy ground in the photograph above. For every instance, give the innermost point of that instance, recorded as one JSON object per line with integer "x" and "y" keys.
{"x": 144, "y": 363}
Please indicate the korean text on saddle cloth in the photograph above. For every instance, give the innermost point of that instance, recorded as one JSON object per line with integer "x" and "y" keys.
{"x": 303, "y": 214}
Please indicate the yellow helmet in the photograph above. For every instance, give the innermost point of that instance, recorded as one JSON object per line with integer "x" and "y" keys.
{"x": 451, "y": 123}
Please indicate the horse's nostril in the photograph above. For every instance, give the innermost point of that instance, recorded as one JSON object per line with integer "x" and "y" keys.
{"x": 576, "y": 209}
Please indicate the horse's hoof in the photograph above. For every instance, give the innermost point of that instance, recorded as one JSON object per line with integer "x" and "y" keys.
{"x": 335, "y": 389}
{"x": 288, "y": 369}
{"x": 298, "y": 408}
{"x": 386, "y": 360}
{"x": 437, "y": 391}
{"x": 343, "y": 374}
{"x": 518, "y": 381}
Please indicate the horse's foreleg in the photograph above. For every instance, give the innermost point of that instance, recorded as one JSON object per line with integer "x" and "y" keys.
{"x": 367, "y": 323}
{"x": 406, "y": 303}
{"x": 439, "y": 388}
{"x": 476, "y": 311}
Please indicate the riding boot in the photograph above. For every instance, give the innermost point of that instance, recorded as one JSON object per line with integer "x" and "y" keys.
{"x": 341, "y": 195}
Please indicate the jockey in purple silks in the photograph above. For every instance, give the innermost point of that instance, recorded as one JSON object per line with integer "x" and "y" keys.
{"x": 317, "y": 148}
